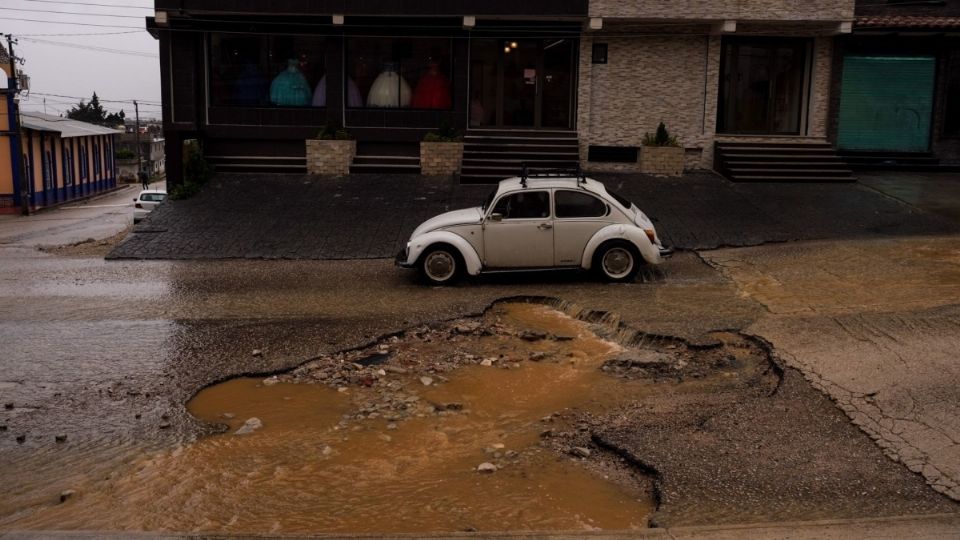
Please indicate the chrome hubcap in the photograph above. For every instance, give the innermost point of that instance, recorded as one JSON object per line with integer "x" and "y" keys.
{"x": 617, "y": 262}
{"x": 440, "y": 265}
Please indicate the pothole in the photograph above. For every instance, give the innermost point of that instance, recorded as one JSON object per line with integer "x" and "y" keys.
{"x": 473, "y": 425}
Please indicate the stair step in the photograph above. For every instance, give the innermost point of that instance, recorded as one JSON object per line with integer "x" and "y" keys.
{"x": 788, "y": 172}
{"x": 755, "y": 178}
{"x": 743, "y": 156}
{"x": 832, "y": 163}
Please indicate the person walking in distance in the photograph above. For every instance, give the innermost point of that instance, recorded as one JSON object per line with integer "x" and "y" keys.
{"x": 144, "y": 178}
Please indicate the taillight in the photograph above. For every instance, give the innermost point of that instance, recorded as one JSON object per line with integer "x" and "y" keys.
{"x": 138, "y": 205}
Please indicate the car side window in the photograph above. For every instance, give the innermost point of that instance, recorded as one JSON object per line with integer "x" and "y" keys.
{"x": 524, "y": 205}
{"x": 575, "y": 204}
{"x": 152, "y": 197}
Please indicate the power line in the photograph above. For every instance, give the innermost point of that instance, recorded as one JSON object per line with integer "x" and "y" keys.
{"x": 71, "y": 23}
{"x": 90, "y": 47}
{"x": 84, "y": 34}
{"x": 73, "y": 13}
{"x": 90, "y": 4}
{"x": 151, "y": 102}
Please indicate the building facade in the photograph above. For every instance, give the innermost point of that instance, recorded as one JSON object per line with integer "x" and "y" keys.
{"x": 537, "y": 81}
{"x": 61, "y": 160}
{"x": 896, "y": 95}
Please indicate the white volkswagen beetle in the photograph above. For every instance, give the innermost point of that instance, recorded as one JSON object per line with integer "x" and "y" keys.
{"x": 532, "y": 223}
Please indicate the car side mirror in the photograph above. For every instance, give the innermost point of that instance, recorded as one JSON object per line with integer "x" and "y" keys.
{"x": 496, "y": 216}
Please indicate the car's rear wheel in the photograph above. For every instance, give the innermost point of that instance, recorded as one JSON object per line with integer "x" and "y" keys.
{"x": 441, "y": 265}
{"x": 617, "y": 261}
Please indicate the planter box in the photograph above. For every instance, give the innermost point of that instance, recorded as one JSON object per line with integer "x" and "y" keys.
{"x": 440, "y": 158}
{"x": 662, "y": 160}
{"x": 330, "y": 157}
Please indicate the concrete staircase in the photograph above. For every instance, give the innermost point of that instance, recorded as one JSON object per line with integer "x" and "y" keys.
{"x": 490, "y": 155}
{"x": 781, "y": 162}
{"x": 385, "y": 158}
{"x": 258, "y": 164}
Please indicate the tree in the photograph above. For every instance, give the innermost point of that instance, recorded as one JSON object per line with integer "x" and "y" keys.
{"x": 94, "y": 113}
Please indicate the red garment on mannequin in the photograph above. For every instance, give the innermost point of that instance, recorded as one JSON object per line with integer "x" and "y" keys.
{"x": 433, "y": 91}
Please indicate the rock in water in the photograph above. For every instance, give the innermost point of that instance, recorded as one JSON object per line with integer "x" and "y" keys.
{"x": 66, "y": 494}
{"x": 270, "y": 381}
{"x": 251, "y": 425}
{"x": 580, "y": 451}
{"x": 257, "y": 352}
{"x": 486, "y": 468}
{"x": 427, "y": 381}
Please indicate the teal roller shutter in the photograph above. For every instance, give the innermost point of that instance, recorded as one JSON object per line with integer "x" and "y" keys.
{"x": 886, "y": 103}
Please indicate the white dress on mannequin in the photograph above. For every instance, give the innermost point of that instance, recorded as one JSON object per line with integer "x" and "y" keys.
{"x": 389, "y": 89}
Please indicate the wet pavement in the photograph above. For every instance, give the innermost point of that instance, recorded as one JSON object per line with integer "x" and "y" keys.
{"x": 371, "y": 216}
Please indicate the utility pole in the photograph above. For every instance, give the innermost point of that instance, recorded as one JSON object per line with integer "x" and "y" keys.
{"x": 15, "y": 134}
{"x": 136, "y": 109}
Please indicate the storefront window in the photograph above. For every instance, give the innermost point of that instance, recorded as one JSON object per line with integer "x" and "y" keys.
{"x": 951, "y": 125}
{"x": 267, "y": 71}
{"x": 405, "y": 73}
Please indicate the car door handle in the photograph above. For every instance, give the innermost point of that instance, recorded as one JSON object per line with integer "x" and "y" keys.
{"x": 545, "y": 226}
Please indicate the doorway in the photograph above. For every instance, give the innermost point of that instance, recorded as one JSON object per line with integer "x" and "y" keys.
{"x": 522, "y": 83}
{"x": 763, "y": 86}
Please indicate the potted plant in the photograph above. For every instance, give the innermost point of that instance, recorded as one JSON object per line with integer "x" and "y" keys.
{"x": 331, "y": 152}
{"x": 661, "y": 153}
{"x": 441, "y": 151}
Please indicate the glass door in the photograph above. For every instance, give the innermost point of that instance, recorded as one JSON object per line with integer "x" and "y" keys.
{"x": 763, "y": 86}
{"x": 521, "y": 83}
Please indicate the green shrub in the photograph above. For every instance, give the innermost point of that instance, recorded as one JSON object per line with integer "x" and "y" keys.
{"x": 661, "y": 138}
{"x": 334, "y": 132}
{"x": 196, "y": 172}
{"x": 445, "y": 133}
{"x": 124, "y": 153}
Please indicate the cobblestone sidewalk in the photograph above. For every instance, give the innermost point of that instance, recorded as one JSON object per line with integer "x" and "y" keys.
{"x": 371, "y": 216}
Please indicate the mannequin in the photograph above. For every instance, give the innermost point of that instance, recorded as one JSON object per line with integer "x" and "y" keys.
{"x": 389, "y": 89}
{"x": 433, "y": 89}
{"x": 354, "y": 99}
{"x": 290, "y": 87}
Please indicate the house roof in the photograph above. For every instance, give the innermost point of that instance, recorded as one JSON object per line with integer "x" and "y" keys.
{"x": 907, "y": 21}
{"x": 64, "y": 126}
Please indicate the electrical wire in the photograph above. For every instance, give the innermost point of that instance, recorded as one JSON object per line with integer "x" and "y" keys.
{"x": 90, "y": 4}
{"x": 89, "y": 47}
{"x": 72, "y": 13}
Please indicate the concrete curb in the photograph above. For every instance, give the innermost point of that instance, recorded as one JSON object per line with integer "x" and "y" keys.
{"x": 931, "y": 526}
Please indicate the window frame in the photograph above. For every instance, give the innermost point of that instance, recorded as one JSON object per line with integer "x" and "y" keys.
{"x": 549, "y": 215}
{"x": 557, "y": 215}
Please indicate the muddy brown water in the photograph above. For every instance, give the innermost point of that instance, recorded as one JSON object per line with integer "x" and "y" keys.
{"x": 315, "y": 465}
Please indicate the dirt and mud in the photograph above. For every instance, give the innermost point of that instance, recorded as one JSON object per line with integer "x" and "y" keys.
{"x": 523, "y": 419}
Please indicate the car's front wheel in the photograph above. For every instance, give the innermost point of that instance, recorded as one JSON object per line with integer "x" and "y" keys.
{"x": 617, "y": 261}
{"x": 441, "y": 265}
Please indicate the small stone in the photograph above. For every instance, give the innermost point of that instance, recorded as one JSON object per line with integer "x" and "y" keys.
{"x": 395, "y": 369}
{"x": 8, "y": 406}
{"x": 21, "y": 439}
{"x": 486, "y": 362}
{"x": 427, "y": 381}
{"x": 228, "y": 415}
{"x": 454, "y": 406}
{"x": 391, "y": 426}
{"x": 532, "y": 335}
{"x": 384, "y": 437}
{"x": 342, "y": 389}
{"x": 580, "y": 451}
{"x": 164, "y": 425}
{"x": 3, "y": 427}
{"x": 257, "y": 352}
{"x": 326, "y": 450}
{"x": 138, "y": 416}
{"x": 538, "y": 356}
{"x": 66, "y": 494}
{"x": 251, "y": 425}
{"x": 381, "y": 373}
{"x": 546, "y": 434}
{"x": 270, "y": 381}
{"x": 486, "y": 468}
{"x": 60, "y": 438}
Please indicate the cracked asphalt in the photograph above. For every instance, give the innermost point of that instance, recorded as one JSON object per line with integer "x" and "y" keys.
{"x": 865, "y": 322}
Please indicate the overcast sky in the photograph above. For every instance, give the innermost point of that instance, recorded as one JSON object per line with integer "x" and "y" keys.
{"x": 67, "y": 68}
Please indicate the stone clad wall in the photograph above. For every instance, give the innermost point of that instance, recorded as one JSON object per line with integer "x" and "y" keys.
{"x": 440, "y": 158}
{"x": 663, "y": 161}
{"x": 674, "y": 79}
{"x": 330, "y": 157}
{"x": 769, "y": 10}
{"x": 648, "y": 80}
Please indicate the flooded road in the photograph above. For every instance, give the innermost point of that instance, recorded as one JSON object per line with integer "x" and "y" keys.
{"x": 324, "y": 460}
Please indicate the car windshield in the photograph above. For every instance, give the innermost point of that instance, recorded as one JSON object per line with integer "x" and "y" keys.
{"x": 620, "y": 199}
{"x": 152, "y": 197}
{"x": 486, "y": 203}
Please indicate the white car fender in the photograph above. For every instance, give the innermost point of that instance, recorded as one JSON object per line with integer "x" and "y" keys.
{"x": 470, "y": 257}
{"x": 634, "y": 235}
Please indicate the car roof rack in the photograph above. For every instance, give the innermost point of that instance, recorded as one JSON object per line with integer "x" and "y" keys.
{"x": 574, "y": 172}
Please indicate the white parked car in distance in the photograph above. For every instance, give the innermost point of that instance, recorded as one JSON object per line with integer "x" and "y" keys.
{"x": 144, "y": 203}
{"x": 537, "y": 222}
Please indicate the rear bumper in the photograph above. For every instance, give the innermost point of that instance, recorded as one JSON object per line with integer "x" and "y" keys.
{"x": 665, "y": 252}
